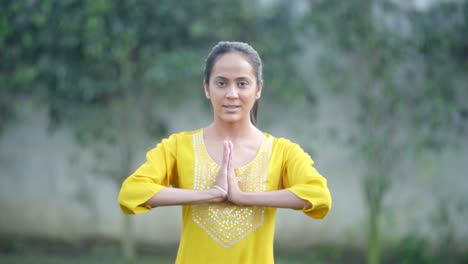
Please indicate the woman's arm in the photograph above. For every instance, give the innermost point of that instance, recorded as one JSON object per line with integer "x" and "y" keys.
{"x": 176, "y": 196}
{"x": 279, "y": 199}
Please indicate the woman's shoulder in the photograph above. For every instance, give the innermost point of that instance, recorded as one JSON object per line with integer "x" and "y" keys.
{"x": 281, "y": 142}
{"x": 284, "y": 148}
{"x": 177, "y": 138}
{"x": 186, "y": 133}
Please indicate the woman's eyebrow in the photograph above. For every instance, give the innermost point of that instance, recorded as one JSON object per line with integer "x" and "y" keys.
{"x": 238, "y": 78}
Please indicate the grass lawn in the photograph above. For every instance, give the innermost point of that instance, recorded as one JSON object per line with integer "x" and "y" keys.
{"x": 24, "y": 250}
{"x": 44, "y": 259}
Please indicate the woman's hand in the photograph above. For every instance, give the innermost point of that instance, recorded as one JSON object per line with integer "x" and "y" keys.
{"x": 234, "y": 192}
{"x": 222, "y": 177}
{"x": 226, "y": 179}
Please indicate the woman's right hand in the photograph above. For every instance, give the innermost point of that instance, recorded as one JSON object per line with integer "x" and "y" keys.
{"x": 222, "y": 177}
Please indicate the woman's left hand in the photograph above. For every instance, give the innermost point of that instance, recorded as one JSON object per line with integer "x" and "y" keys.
{"x": 234, "y": 191}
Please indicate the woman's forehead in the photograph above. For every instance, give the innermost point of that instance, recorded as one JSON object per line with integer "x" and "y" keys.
{"x": 232, "y": 64}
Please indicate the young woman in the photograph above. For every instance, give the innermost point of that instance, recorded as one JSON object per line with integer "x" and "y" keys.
{"x": 229, "y": 177}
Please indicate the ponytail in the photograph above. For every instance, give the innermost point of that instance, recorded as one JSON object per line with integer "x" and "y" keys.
{"x": 253, "y": 113}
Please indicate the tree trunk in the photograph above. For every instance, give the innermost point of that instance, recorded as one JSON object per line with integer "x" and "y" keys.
{"x": 128, "y": 241}
{"x": 126, "y": 119}
{"x": 373, "y": 239}
{"x": 128, "y": 238}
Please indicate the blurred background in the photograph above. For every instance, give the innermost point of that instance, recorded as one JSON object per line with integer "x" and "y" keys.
{"x": 375, "y": 90}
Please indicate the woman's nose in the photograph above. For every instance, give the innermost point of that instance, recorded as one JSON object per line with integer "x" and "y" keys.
{"x": 232, "y": 92}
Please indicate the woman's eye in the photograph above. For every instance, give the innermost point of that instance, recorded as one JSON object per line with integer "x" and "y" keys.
{"x": 221, "y": 83}
{"x": 243, "y": 84}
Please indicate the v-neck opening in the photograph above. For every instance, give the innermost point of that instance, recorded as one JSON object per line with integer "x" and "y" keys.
{"x": 257, "y": 153}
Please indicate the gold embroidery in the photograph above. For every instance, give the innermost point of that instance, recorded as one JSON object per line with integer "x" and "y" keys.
{"x": 227, "y": 223}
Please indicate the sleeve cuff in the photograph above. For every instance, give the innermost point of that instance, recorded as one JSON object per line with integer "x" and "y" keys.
{"x": 319, "y": 199}
{"x": 131, "y": 199}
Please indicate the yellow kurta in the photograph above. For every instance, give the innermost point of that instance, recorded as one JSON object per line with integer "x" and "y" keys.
{"x": 222, "y": 232}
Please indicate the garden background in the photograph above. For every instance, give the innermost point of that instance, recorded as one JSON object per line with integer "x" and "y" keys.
{"x": 376, "y": 91}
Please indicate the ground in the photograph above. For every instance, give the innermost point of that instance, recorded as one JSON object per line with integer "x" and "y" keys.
{"x": 16, "y": 249}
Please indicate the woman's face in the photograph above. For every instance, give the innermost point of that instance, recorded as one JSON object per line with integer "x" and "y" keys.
{"x": 232, "y": 88}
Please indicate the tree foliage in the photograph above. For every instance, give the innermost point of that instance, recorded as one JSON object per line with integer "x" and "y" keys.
{"x": 107, "y": 68}
{"x": 415, "y": 60}
{"x": 406, "y": 69}
{"x": 81, "y": 56}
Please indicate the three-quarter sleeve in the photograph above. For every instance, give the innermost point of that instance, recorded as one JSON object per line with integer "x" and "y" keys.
{"x": 301, "y": 178}
{"x": 151, "y": 177}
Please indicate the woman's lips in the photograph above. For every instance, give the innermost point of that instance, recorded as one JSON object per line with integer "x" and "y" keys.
{"x": 231, "y": 108}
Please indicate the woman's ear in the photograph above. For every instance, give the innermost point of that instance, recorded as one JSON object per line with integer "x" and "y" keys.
{"x": 207, "y": 89}
{"x": 259, "y": 90}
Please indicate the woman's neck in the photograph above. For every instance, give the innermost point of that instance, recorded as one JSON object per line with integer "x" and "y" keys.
{"x": 232, "y": 131}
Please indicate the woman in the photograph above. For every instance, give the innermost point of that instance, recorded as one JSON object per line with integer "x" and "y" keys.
{"x": 230, "y": 177}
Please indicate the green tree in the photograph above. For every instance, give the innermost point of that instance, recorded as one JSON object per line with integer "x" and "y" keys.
{"x": 105, "y": 68}
{"x": 405, "y": 69}
{"x": 19, "y": 24}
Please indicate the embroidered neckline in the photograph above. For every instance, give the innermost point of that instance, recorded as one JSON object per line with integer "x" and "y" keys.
{"x": 227, "y": 223}
{"x": 257, "y": 154}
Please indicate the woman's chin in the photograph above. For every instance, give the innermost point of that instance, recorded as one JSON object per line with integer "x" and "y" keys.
{"x": 231, "y": 118}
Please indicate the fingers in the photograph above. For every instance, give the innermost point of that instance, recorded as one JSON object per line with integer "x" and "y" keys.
{"x": 227, "y": 153}
{"x": 228, "y": 145}
{"x": 226, "y": 156}
{"x": 231, "y": 176}
{"x": 231, "y": 147}
{"x": 222, "y": 180}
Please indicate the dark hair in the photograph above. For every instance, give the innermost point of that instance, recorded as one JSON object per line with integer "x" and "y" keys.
{"x": 251, "y": 56}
